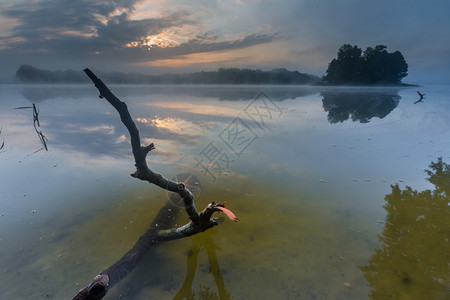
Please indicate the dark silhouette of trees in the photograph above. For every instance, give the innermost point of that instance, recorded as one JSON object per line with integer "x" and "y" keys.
{"x": 373, "y": 66}
{"x": 346, "y": 68}
{"x": 30, "y": 74}
{"x": 412, "y": 262}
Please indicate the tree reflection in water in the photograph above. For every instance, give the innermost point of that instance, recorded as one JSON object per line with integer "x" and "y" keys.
{"x": 186, "y": 291}
{"x": 413, "y": 262}
{"x": 360, "y": 106}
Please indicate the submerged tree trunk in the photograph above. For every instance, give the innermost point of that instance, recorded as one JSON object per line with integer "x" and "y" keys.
{"x": 157, "y": 232}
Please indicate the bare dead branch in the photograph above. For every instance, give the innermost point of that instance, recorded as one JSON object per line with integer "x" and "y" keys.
{"x": 158, "y": 231}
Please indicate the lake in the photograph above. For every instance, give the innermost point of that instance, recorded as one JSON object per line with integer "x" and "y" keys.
{"x": 328, "y": 183}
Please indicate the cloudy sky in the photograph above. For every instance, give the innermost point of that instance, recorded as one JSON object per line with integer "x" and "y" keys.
{"x": 172, "y": 36}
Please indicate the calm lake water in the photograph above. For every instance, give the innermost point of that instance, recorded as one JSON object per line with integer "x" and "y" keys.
{"x": 318, "y": 177}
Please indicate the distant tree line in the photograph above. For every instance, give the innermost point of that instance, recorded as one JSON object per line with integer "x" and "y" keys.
{"x": 373, "y": 66}
{"x": 30, "y": 74}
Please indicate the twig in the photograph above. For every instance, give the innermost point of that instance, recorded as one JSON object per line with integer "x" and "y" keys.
{"x": 3, "y": 140}
{"x": 41, "y": 136}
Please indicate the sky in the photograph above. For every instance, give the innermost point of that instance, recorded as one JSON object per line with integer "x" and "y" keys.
{"x": 168, "y": 36}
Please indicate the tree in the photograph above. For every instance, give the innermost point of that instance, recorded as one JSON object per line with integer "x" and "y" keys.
{"x": 29, "y": 74}
{"x": 374, "y": 66}
{"x": 383, "y": 67}
{"x": 399, "y": 67}
{"x": 345, "y": 69}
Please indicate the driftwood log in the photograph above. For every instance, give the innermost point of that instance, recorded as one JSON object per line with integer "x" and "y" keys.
{"x": 157, "y": 232}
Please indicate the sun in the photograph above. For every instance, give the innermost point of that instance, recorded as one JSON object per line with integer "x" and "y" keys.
{"x": 161, "y": 41}
{"x": 154, "y": 41}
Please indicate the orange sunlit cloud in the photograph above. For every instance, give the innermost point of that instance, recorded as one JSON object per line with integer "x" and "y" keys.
{"x": 6, "y": 42}
{"x": 199, "y": 108}
{"x": 78, "y": 33}
{"x": 209, "y": 58}
{"x": 175, "y": 125}
{"x": 162, "y": 40}
{"x": 258, "y": 55}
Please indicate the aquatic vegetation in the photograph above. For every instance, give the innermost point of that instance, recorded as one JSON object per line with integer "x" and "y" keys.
{"x": 36, "y": 124}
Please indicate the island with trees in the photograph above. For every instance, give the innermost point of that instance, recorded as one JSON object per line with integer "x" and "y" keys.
{"x": 373, "y": 66}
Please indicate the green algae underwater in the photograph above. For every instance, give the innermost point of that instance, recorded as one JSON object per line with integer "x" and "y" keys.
{"x": 298, "y": 249}
{"x": 301, "y": 250}
{"x": 286, "y": 246}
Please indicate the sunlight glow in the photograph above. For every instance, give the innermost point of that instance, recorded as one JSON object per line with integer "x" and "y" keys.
{"x": 154, "y": 41}
{"x": 203, "y": 109}
{"x": 174, "y": 125}
{"x": 101, "y": 18}
{"x": 196, "y": 59}
{"x": 160, "y": 41}
{"x": 119, "y": 11}
{"x": 258, "y": 55}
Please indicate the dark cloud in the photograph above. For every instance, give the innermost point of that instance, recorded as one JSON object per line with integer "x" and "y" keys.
{"x": 201, "y": 44}
{"x": 46, "y": 18}
{"x": 62, "y": 34}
